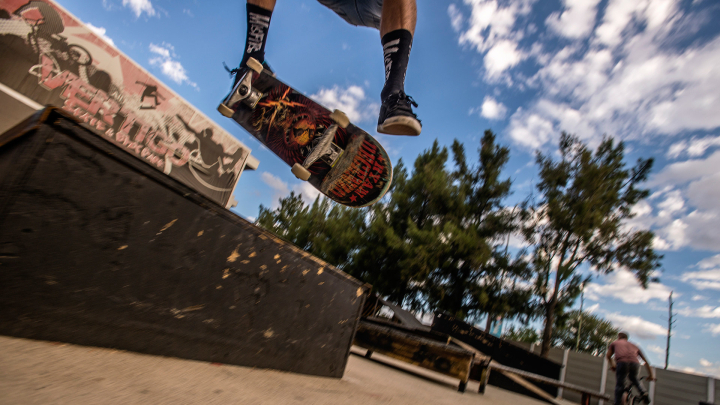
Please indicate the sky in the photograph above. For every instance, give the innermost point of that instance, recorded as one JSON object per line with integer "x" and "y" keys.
{"x": 643, "y": 71}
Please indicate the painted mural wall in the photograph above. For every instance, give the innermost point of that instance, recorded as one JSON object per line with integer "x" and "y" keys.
{"x": 52, "y": 58}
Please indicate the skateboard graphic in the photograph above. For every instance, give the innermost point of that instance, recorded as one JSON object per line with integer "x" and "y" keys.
{"x": 323, "y": 148}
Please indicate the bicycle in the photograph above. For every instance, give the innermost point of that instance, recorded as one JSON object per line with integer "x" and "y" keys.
{"x": 44, "y": 39}
{"x": 631, "y": 398}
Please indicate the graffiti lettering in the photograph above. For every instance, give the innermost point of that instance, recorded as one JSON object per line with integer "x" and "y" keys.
{"x": 365, "y": 173}
{"x": 101, "y": 112}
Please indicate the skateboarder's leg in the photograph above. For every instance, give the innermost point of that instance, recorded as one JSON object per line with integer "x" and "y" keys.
{"x": 398, "y": 14}
{"x": 397, "y": 27}
{"x": 259, "y": 13}
{"x": 266, "y": 4}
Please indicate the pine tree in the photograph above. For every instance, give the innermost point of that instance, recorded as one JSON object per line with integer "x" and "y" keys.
{"x": 595, "y": 334}
{"x": 579, "y": 218}
{"x": 325, "y": 229}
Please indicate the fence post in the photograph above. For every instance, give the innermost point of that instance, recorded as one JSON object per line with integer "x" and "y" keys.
{"x": 532, "y": 348}
{"x": 603, "y": 379}
{"x": 563, "y": 371}
{"x": 651, "y": 389}
{"x": 711, "y": 390}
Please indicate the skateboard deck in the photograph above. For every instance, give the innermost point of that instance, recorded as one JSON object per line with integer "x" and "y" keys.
{"x": 339, "y": 159}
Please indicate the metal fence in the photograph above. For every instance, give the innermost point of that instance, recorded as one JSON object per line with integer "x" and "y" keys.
{"x": 593, "y": 372}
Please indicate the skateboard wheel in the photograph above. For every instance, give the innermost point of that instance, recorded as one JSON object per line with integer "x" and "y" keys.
{"x": 300, "y": 172}
{"x": 341, "y": 119}
{"x": 253, "y": 64}
{"x": 224, "y": 110}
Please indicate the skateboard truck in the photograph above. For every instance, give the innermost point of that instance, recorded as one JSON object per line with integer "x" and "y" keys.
{"x": 243, "y": 91}
{"x": 325, "y": 149}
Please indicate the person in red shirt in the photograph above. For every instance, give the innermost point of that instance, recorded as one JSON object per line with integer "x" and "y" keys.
{"x": 626, "y": 365}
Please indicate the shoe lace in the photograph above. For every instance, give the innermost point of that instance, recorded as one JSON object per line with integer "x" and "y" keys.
{"x": 232, "y": 72}
{"x": 395, "y": 101}
{"x": 410, "y": 100}
{"x": 402, "y": 97}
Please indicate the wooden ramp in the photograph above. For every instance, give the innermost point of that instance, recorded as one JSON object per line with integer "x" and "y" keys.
{"x": 97, "y": 248}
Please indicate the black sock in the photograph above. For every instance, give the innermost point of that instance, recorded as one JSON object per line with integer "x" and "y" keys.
{"x": 396, "y": 47}
{"x": 258, "y": 23}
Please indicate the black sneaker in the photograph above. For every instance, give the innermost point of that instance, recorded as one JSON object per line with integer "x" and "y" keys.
{"x": 397, "y": 117}
{"x": 228, "y": 105}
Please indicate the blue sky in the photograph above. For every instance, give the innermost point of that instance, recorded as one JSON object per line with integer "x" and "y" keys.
{"x": 642, "y": 71}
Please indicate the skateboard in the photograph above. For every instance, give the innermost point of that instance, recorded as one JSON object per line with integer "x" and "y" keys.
{"x": 339, "y": 159}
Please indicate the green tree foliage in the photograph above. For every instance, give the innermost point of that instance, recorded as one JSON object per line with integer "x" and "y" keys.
{"x": 595, "y": 333}
{"x": 435, "y": 242}
{"x": 584, "y": 199}
{"x": 329, "y": 231}
{"x": 524, "y": 334}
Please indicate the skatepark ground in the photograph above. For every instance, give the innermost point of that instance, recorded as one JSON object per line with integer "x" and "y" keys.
{"x": 39, "y": 372}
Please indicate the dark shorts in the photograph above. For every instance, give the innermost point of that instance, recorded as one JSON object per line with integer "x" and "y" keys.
{"x": 364, "y": 13}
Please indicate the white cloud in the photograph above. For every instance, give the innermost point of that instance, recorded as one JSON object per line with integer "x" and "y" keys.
{"x": 689, "y": 215}
{"x": 351, "y": 100}
{"x": 656, "y": 349}
{"x": 683, "y": 172}
{"x": 139, "y": 7}
{"x": 307, "y": 192}
{"x": 703, "y": 280}
{"x": 100, "y": 31}
{"x": 630, "y": 81}
{"x": 672, "y": 236}
{"x": 165, "y": 59}
{"x": 456, "y": 18}
{"x": 490, "y": 30}
{"x": 281, "y": 189}
{"x": 622, "y": 285}
{"x": 706, "y": 311}
{"x": 577, "y": 20}
{"x": 705, "y": 192}
{"x": 641, "y": 209}
{"x": 634, "y": 70}
{"x": 618, "y": 15}
{"x": 676, "y": 149}
{"x": 694, "y": 147}
{"x": 492, "y": 109}
{"x": 689, "y": 370}
{"x": 709, "y": 367}
{"x": 713, "y": 328}
{"x": 672, "y": 204}
{"x": 709, "y": 262}
{"x": 530, "y": 129}
{"x": 502, "y": 55}
{"x": 636, "y": 326}
{"x": 699, "y": 297}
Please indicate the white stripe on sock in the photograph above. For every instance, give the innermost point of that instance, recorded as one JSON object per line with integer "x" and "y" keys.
{"x": 391, "y": 43}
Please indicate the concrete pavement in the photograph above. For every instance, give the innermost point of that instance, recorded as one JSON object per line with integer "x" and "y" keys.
{"x": 38, "y": 372}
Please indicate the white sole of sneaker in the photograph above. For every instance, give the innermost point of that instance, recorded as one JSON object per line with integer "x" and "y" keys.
{"x": 400, "y": 126}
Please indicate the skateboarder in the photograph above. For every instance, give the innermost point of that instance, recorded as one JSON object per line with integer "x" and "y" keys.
{"x": 396, "y": 21}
